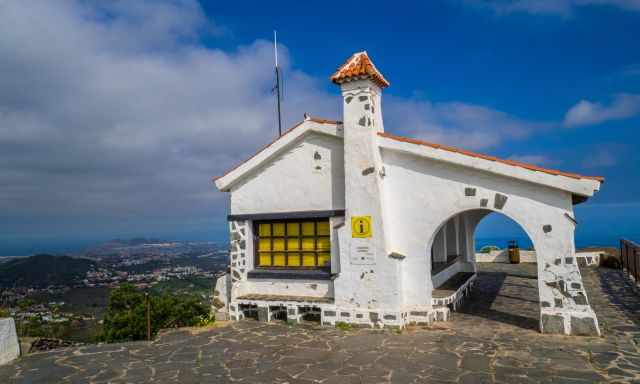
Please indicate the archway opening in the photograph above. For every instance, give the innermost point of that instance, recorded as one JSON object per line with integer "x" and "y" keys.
{"x": 475, "y": 245}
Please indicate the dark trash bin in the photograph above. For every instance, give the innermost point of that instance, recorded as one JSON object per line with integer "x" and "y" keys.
{"x": 514, "y": 252}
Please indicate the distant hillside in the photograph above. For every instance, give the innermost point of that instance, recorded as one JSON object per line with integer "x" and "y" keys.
{"x": 43, "y": 270}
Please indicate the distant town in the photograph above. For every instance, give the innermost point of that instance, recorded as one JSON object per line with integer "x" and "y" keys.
{"x": 49, "y": 292}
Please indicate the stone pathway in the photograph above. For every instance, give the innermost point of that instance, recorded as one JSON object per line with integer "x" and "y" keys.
{"x": 492, "y": 339}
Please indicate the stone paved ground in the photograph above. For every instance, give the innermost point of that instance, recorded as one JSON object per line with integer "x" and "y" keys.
{"x": 493, "y": 339}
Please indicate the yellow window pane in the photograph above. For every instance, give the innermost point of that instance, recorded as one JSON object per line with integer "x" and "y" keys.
{"x": 293, "y": 244}
{"x": 265, "y": 259}
{"x": 293, "y": 229}
{"x": 264, "y": 245}
{"x": 278, "y": 229}
{"x": 308, "y": 228}
{"x": 324, "y": 243}
{"x": 294, "y": 259}
{"x": 278, "y": 260}
{"x": 308, "y": 243}
{"x": 323, "y": 228}
{"x": 264, "y": 230}
{"x": 309, "y": 259}
{"x": 324, "y": 259}
{"x": 278, "y": 244}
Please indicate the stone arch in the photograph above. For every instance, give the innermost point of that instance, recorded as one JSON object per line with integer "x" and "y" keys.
{"x": 571, "y": 313}
{"x": 433, "y": 191}
{"x": 481, "y": 213}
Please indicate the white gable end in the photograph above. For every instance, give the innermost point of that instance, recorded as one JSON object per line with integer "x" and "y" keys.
{"x": 307, "y": 174}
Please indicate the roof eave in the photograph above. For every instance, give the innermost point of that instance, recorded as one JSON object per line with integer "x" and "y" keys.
{"x": 226, "y": 182}
{"x": 583, "y": 186}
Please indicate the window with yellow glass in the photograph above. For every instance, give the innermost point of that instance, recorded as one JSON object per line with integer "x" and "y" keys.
{"x": 293, "y": 244}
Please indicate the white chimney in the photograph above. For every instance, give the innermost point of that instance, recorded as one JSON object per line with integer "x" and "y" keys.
{"x": 361, "y": 85}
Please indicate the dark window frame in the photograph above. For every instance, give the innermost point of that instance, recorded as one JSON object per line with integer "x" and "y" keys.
{"x": 315, "y": 237}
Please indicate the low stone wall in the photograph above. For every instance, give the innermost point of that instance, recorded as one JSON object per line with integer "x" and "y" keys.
{"x": 588, "y": 258}
{"x": 221, "y": 294}
{"x": 502, "y": 256}
{"x": 9, "y": 346}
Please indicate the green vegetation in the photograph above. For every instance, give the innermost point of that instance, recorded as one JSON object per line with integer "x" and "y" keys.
{"x": 488, "y": 249}
{"x": 82, "y": 300}
{"x": 343, "y": 326}
{"x": 125, "y": 318}
{"x": 36, "y": 327}
{"x": 196, "y": 285}
{"x": 41, "y": 271}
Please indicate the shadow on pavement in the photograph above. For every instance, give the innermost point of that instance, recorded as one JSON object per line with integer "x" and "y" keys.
{"x": 503, "y": 296}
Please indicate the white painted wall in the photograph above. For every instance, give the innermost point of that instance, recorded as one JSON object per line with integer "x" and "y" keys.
{"x": 310, "y": 288}
{"x": 374, "y": 285}
{"x": 295, "y": 180}
{"x": 425, "y": 194}
{"x": 9, "y": 346}
{"x": 411, "y": 192}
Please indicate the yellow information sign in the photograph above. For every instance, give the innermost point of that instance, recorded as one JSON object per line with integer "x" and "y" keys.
{"x": 361, "y": 226}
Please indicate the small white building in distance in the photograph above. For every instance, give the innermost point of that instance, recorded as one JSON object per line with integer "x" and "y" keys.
{"x": 343, "y": 222}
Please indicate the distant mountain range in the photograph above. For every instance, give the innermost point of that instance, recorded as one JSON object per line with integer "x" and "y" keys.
{"x": 41, "y": 271}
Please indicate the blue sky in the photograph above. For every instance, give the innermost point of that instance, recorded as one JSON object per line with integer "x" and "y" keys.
{"x": 114, "y": 116}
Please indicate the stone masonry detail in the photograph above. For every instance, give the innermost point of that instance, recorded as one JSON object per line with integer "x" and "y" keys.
{"x": 238, "y": 234}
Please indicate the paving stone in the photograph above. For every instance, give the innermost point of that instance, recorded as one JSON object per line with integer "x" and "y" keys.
{"x": 475, "y": 378}
{"x": 473, "y": 362}
{"x": 553, "y": 324}
{"x": 492, "y": 338}
{"x": 583, "y": 326}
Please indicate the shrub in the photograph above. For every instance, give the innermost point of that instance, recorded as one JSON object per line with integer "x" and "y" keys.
{"x": 342, "y": 325}
{"x": 126, "y": 319}
{"x": 488, "y": 249}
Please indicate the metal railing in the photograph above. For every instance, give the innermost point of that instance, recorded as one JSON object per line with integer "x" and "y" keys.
{"x": 630, "y": 258}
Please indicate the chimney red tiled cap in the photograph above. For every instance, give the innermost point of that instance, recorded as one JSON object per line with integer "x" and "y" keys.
{"x": 359, "y": 66}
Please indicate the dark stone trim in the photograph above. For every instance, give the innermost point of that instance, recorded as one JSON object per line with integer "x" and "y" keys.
{"x": 572, "y": 219}
{"x": 287, "y": 215}
{"x": 289, "y": 274}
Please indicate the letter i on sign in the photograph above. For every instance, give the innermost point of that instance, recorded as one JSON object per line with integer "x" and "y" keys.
{"x": 361, "y": 226}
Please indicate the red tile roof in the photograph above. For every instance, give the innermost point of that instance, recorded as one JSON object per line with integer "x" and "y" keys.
{"x": 514, "y": 163}
{"x": 359, "y": 66}
{"x": 306, "y": 118}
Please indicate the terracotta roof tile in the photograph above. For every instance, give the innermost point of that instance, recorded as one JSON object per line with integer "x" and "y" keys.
{"x": 514, "y": 163}
{"x": 359, "y": 66}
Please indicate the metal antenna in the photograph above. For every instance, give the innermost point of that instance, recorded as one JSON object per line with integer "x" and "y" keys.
{"x": 277, "y": 87}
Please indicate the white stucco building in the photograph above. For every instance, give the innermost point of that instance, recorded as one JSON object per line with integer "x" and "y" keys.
{"x": 345, "y": 222}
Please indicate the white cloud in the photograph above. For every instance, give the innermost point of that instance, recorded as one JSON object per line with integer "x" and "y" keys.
{"x": 557, "y": 7}
{"x": 454, "y": 123}
{"x": 103, "y": 114}
{"x": 116, "y": 113}
{"x": 586, "y": 112}
{"x": 601, "y": 158}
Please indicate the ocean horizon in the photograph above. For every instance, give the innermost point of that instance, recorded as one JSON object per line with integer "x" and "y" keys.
{"x": 17, "y": 248}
